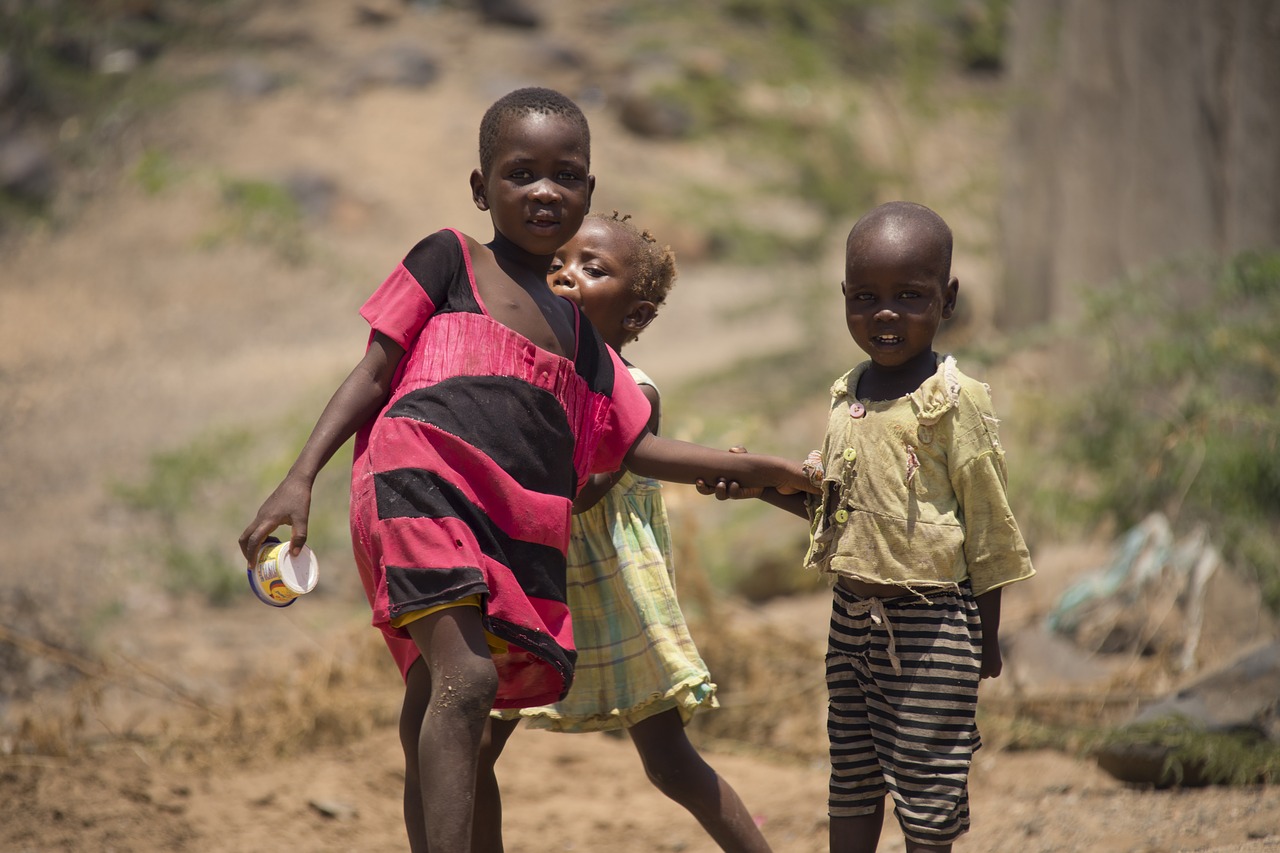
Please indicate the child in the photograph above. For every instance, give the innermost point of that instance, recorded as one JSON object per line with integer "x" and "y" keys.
{"x": 638, "y": 668}
{"x": 481, "y": 405}
{"x": 913, "y": 521}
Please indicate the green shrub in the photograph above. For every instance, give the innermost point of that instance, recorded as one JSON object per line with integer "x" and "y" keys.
{"x": 1189, "y": 754}
{"x": 260, "y": 213}
{"x": 155, "y": 171}
{"x": 1183, "y": 415}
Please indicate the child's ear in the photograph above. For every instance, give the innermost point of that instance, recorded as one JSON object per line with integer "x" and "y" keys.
{"x": 639, "y": 317}
{"x": 591, "y": 190}
{"x": 477, "y": 190}
{"x": 949, "y": 297}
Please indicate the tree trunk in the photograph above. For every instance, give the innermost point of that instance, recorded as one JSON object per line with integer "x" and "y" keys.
{"x": 1143, "y": 131}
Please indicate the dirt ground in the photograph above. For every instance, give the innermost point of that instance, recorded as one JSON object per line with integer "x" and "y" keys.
{"x": 191, "y": 756}
{"x": 133, "y": 325}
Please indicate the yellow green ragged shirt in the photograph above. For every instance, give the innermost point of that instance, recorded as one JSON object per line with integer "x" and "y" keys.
{"x": 913, "y": 489}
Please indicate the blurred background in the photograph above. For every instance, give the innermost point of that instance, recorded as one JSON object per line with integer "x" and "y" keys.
{"x": 196, "y": 196}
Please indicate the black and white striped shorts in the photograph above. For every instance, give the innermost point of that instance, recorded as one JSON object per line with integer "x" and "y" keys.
{"x": 902, "y": 677}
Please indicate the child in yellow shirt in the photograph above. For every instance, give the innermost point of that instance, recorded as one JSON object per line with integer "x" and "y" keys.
{"x": 913, "y": 521}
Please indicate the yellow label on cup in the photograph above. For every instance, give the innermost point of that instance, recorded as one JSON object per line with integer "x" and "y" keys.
{"x": 278, "y": 578}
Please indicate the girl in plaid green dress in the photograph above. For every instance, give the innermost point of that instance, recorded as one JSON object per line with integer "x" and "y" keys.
{"x": 637, "y": 667}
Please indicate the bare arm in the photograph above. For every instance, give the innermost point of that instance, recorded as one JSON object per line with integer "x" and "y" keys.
{"x": 360, "y": 396}
{"x": 598, "y": 485}
{"x": 794, "y": 503}
{"x": 594, "y": 490}
{"x": 683, "y": 462}
{"x": 726, "y": 490}
{"x": 989, "y": 614}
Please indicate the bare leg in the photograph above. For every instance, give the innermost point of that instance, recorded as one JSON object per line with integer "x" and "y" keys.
{"x": 463, "y": 683}
{"x": 677, "y": 770}
{"x": 486, "y": 827}
{"x": 857, "y": 834}
{"x": 417, "y": 692}
{"x": 917, "y": 847}
{"x": 862, "y": 835}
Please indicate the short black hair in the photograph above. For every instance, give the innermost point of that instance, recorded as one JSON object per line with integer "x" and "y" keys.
{"x": 927, "y": 223}
{"x": 523, "y": 102}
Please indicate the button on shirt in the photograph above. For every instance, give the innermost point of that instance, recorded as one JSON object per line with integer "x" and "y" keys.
{"x": 913, "y": 492}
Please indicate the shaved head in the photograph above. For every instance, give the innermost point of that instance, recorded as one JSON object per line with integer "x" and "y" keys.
{"x": 909, "y": 227}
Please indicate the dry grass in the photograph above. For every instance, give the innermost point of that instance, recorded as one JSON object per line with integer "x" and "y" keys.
{"x": 324, "y": 699}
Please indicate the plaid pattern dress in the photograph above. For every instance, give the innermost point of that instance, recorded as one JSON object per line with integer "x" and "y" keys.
{"x": 635, "y": 655}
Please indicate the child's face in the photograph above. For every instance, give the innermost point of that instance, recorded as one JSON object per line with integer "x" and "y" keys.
{"x": 895, "y": 298}
{"x": 594, "y": 271}
{"x": 538, "y": 189}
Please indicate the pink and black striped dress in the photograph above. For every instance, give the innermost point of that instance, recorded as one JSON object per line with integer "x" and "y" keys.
{"x": 464, "y": 483}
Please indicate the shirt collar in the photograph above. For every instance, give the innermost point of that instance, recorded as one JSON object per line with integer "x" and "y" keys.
{"x": 934, "y": 398}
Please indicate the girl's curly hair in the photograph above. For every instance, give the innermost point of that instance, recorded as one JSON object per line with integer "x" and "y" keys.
{"x": 655, "y": 266}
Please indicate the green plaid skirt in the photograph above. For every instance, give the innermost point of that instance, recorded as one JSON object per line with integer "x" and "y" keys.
{"x": 635, "y": 655}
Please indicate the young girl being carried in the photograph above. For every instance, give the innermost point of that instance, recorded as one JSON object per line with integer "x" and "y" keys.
{"x": 480, "y": 407}
{"x": 638, "y": 668}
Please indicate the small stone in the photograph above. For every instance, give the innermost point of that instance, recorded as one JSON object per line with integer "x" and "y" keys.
{"x": 654, "y": 118}
{"x": 333, "y": 809}
{"x": 403, "y": 65}
{"x": 26, "y": 168}
{"x": 248, "y": 79}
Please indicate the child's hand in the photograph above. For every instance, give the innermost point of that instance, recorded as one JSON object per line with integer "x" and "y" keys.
{"x": 812, "y": 471}
{"x": 729, "y": 489}
{"x": 289, "y": 504}
{"x": 992, "y": 660}
{"x": 797, "y": 480}
{"x": 726, "y": 490}
{"x": 792, "y": 480}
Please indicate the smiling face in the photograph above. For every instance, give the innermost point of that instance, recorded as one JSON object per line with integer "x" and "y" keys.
{"x": 594, "y": 270}
{"x": 538, "y": 189}
{"x": 897, "y": 291}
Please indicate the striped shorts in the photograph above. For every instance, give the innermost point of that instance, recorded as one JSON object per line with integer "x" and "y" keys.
{"x": 902, "y": 676}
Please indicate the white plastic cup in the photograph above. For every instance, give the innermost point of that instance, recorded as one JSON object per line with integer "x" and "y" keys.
{"x": 278, "y": 577}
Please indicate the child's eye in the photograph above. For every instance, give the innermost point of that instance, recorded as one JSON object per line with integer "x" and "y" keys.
{"x": 595, "y": 272}
{"x": 568, "y": 177}
{"x": 556, "y": 264}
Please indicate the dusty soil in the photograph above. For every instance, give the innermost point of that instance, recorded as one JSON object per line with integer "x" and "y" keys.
{"x": 203, "y": 748}
{"x": 133, "y": 720}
